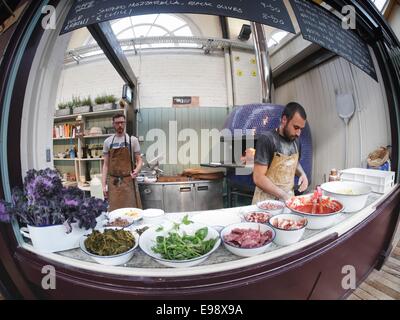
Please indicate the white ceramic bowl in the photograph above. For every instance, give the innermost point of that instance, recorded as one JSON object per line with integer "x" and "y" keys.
{"x": 257, "y": 216}
{"x": 124, "y": 213}
{"x": 113, "y": 260}
{"x": 176, "y": 216}
{"x": 247, "y": 252}
{"x": 153, "y": 216}
{"x": 286, "y": 237}
{"x": 353, "y": 195}
{"x": 216, "y": 220}
{"x": 318, "y": 221}
{"x": 271, "y": 202}
{"x": 148, "y": 240}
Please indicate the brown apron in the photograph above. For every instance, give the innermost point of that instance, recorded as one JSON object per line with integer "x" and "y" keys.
{"x": 121, "y": 186}
{"x": 281, "y": 172}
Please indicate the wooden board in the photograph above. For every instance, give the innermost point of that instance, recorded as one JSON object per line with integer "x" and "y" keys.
{"x": 173, "y": 179}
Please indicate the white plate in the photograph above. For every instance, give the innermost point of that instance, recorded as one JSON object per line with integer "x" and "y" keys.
{"x": 124, "y": 213}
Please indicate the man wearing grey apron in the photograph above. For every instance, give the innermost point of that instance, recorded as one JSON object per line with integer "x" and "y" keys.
{"x": 122, "y": 164}
{"x": 277, "y": 157}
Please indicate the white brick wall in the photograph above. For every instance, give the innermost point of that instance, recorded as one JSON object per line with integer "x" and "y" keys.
{"x": 94, "y": 78}
{"x": 164, "y": 75}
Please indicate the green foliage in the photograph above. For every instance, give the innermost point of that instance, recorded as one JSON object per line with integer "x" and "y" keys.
{"x": 111, "y": 99}
{"x": 110, "y": 242}
{"x": 63, "y": 105}
{"x": 76, "y": 102}
{"x": 100, "y": 99}
{"x": 87, "y": 101}
{"x": 105, "y": 99}
{"x": 181, "y": 246}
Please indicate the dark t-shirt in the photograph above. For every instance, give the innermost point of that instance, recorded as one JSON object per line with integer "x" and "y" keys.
{"x": 270, "y": 142}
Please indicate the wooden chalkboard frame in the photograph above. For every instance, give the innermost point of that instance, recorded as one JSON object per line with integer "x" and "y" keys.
{"x": 322, "y": 27}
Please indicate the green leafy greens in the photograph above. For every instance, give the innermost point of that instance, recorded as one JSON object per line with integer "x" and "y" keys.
{"x": 176, "y": 246}
{"x": 110, "y": 242}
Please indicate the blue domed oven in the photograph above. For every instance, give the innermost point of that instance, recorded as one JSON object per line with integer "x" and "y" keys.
{"x": 247, "y": 122}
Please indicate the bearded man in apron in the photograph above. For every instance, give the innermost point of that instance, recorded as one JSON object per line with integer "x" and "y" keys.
{"x": 122, "y": 164}
{"x": 277, "y": 157}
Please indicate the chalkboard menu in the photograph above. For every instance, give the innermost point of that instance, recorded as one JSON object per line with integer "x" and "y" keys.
{"x": 270, "y": 12}
{"x": 325, "y": 29}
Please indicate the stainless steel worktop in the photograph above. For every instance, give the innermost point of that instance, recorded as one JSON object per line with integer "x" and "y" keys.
{"x": 183, "y": 195}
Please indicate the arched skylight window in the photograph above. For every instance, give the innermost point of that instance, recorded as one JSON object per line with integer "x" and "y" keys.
{"x": 151, "y": 25}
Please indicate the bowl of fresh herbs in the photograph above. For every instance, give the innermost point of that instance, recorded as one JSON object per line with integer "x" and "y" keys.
{"x": 180, "y": 244}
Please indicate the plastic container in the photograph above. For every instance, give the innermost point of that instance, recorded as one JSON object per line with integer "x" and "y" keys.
{"x": 380, "y": 181}
{"x": 96, "y": 188}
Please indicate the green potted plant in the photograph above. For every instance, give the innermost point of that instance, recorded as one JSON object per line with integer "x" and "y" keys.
{"x": 56, "y": 217}
{"x": 105, "y": 102}
{"x": 82, "y": 106}
{"x": 63, "y": 109}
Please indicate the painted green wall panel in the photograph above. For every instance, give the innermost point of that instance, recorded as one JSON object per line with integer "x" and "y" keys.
{"x": 194, "y": 118}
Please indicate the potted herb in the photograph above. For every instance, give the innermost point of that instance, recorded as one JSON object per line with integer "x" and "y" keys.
{"x": 56, "y": 217}
{"x": 82, "y": 106}
{"x": 63, "y": 109}
{"x": 105, "y": 102}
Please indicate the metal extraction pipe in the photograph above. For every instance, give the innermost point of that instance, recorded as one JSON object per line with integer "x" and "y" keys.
{"x": 263, "y": 61}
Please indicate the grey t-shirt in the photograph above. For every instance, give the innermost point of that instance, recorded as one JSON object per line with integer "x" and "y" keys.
{"x": 270, "y": 142}
{"x": 119, "y": 142}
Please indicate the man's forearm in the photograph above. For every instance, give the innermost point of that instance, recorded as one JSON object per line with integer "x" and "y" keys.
{"x": 104, "y": 176}
{"x": 300, "y": 170}
{"x": 265, "y": 184}
{"x": 139, "y": 164}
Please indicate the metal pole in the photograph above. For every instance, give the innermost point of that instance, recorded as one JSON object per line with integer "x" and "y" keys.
{"x": 263, "y": 61}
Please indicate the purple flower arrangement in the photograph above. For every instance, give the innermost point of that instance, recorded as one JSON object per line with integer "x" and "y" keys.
{"x": 44, "y": 202}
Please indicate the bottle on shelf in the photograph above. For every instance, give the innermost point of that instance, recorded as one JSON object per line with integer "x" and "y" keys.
{"x": 334, "y": 175}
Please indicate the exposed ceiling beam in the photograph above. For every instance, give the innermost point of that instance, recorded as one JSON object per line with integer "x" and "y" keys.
{"x": 108, "y": 42}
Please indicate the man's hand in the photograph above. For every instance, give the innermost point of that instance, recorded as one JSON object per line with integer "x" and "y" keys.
{"x": 105, "y": 192}
{"x": 134, "y": 174}
{"x": 303, "y": 183}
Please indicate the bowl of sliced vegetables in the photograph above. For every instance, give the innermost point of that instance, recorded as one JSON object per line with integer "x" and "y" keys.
{"x": 180, "y": 245}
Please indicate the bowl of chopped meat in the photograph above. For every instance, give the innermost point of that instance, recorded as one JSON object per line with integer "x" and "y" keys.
{"x": 289, "y": 228}
{"x": 271, "y": 206}
{"x": 257, "y": 216}
{"x": 247, "y": 239}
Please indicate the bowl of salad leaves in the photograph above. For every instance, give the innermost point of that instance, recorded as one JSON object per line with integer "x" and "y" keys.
{"x": 180, "y": 244}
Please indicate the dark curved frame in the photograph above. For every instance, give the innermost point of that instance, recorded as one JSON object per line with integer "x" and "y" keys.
{"x": 314, "y": 272}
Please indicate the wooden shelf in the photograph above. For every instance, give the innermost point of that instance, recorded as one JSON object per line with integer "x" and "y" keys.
{"x": 90, "y": 159}
{"x": 78, "y": 159}
{"x": 81, "y": 140}
{"x": 88, "y": 114}
{"x": 98, "y": 136}
{"x": 65, "y": 138}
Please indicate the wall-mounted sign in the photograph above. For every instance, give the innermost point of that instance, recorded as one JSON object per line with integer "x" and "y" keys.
{"x": 269, "y": 12}
{"x": 185, "y": 101}
{"x": 325, "y": 29}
